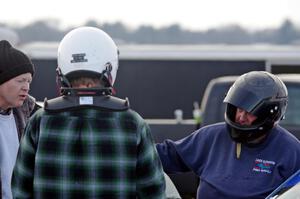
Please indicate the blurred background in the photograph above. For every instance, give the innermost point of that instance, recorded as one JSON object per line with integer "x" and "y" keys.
{"x": 156, "y": 22}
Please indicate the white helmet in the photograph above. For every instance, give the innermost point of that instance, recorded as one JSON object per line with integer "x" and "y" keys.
{"x": 88, "y": 49}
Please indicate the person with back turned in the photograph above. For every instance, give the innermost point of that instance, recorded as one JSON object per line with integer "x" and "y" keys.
{"x": 87, "y": 143}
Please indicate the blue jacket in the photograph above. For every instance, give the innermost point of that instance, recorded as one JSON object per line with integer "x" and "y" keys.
{"x": 211, "y": 154}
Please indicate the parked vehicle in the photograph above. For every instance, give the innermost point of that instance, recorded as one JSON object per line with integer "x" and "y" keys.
{"x": 213, "y": 108}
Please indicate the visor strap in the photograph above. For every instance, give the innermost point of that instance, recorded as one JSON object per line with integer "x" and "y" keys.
{"x": 238, "y": 150}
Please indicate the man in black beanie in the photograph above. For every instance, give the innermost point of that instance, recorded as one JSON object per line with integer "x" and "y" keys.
{"x": 16, "y": 106}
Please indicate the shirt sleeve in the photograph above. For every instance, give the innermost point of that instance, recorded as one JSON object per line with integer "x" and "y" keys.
{"x": 187, "y": 154}
{"x": 170, "y": 158}
{"x": 150, "y": 176}
{"x": 22, "y": 179}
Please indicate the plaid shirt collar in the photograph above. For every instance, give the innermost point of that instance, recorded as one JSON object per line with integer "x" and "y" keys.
{"x": 5, "y": 112}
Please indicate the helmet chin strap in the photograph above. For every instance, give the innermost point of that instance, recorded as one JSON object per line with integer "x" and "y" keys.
{"x": 238, "y": 150}
{"x": 108, "y": 80}
{"x": 107, "y": 71}
{"x": 62, "y": 81}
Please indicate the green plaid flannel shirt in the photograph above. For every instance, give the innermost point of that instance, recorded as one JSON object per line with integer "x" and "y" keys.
{"x": 87, "y": 153}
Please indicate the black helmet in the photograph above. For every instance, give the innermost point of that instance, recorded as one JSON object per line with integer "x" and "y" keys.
{"x": 261, "y": 94}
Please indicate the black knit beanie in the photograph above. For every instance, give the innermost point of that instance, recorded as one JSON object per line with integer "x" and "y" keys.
{"x": 13, "y": 62}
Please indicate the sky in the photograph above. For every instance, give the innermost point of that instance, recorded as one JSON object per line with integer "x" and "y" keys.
{"x": 189, "y": 14}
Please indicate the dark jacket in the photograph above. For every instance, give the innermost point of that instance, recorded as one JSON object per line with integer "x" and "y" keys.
{"x": 22, "y": 115}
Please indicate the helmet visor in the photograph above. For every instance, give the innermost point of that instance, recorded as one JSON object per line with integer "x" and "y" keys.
{"x": 245, "y": 99}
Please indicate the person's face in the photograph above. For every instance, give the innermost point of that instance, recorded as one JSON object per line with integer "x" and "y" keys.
{"x": 242, "y": 117}
{"x": 14, "y": 91}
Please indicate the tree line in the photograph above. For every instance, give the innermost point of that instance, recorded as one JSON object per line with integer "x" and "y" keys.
{"x": 47, "y": 30}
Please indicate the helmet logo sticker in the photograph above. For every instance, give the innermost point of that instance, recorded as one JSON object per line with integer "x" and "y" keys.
{"x": 264, "y": 166}
{"x": 78, "y": 58}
